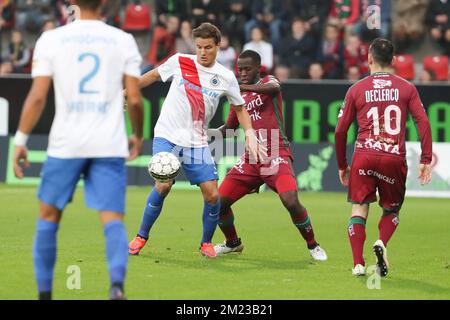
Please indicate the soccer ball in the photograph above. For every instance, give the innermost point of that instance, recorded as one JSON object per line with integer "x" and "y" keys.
{"x": 164, "y": 166}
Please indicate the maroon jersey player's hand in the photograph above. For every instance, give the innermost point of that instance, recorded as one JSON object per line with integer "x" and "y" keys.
{"x": 425, "y": 173}
{"x": 344, "y": 175}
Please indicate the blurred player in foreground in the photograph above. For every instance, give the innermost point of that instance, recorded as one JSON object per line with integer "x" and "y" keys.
{"x": 381, "y": 103}
{"x": 88, "y": 136}
{"x": 264, "y": 104}
{"x": 198, "y": 83}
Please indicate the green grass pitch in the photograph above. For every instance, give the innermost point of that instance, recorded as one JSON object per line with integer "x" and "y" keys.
{"x": 274, "y": 265}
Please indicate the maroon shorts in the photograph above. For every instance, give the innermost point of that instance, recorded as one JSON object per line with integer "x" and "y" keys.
{"x": 370, "y": 173}
{"x": 244, "y": 178}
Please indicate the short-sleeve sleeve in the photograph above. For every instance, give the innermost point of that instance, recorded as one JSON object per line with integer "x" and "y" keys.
{"x": 168, "y": 69}
{"x": 42, "y": 57}
{"x": 233, "y": 93}
{"x": 133, "y": 58}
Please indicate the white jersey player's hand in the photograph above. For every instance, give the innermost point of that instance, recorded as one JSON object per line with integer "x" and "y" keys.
{"x": 20, "y": 156}
{"x": 425, "y": 173}
{"x": 135, "y": 146}
{"x": 254, "y": 146}
{"x": 344, "y": 175}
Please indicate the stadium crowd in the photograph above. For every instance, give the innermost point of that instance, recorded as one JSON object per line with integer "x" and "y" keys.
{"x": 308, "y": 39}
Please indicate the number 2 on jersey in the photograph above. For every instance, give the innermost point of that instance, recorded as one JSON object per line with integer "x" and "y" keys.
{"x": 373, "y": 112}
{"x": 91, "y": 74}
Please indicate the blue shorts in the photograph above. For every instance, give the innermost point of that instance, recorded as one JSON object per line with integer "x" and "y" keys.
{"x": 198, "y": 163}
{"x": 105, "y": 182}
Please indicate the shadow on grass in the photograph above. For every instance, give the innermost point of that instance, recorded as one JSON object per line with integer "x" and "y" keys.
{"x": 229, "y": 263}
{"x": 416, "y": 285}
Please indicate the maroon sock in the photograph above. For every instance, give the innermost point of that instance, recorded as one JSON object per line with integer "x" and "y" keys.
{"x": 388, "y": 224}
{"x": 226, "y": 224}
{"x": 357, "y": 237}
{"x": 303, "y": 224}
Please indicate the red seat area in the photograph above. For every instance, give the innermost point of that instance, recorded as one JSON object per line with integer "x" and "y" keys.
{"x": 404, "y": 66}
{"x": 137, "y": 17}
{"x": 437, "y": 64}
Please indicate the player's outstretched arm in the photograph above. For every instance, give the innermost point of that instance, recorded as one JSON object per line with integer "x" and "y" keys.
{"x": 149, "y": 78}
{"x": 32, "y": 110}
{"x": 271, "y": 88}
{"x": 135, "y": 110}
{"x": 256, "y": 150}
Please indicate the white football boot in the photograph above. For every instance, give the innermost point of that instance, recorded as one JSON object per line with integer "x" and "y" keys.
{"x": 382, "y": 262}
{"x": 222, "y": 248}
{"x": 359, "y": 270}
{"x": 318, "y": 254}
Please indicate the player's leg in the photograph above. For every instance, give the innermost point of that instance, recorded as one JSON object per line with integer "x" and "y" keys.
{"x": 357, "y": 236}
{"x": 392, "y": 193}
{"x": 198, "y": 165}
{"x": 234, "y": 187}
{"x": 59, "y": 179}
{"x": 282, "y": 180}
{"x": 105, "y": 191}
{"x": 116, "y": 241}
{"x": 361, "y": 192}
{"x": 154, "y": 203}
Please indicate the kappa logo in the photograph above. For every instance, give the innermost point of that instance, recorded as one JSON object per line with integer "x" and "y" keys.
{"x": 380, "y": 83}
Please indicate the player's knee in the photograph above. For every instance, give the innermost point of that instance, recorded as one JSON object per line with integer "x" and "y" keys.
{"x": 290, "y": 202}
{"x": 49, "y": 213}
{"x": 391, "y": 211}
{"x": 164, "y": 188}
{"x": 212, "y": 196}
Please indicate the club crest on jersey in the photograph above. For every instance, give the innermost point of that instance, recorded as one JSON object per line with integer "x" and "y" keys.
{"x": 380, "y": 83}
{"x": 215, "y": 80}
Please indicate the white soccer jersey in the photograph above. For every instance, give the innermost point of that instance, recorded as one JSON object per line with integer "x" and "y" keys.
{"x": 87, "y": 60}
{"x": 193, "y": 99}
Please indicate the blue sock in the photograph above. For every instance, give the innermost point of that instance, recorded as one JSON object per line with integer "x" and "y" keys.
{"x": 116, "y": 250}
{"x": 210, "y": 220}
{"x": 44, "y": 254}
{"x": 152, "y": 210}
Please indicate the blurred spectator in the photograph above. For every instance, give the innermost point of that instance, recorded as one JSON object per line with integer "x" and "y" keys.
{"x": 262, "y": 47}
{"x": 18, "y": 55}
{"x": 61, "y": 11}
{"x": 237, "y": 14}
{"x": 427, "y": 76}
{"x": 226, "y": 55}
{"x": 111, "y": 12}
{"x": 315, "y": 71}
{"x": 184, "y": 42}
{"x": 268, "y": 14}
{"x": 50, "y": 24}
{"x": 331, "y": 53}
{"x": 163, "y": 42}
{"x": 408, "y": 22}
{"x": 298, "y": 49}
{"x": 167, "y": 8}
{"x": 345, "y": 13}
{"x": 282, "y": 73}
{"x": 438, "y": 19}
{"x": 31, "y": 14}
{"x": 353, "y": 74}
{"x": 6, "y": 14}
{"x": 315, "y": 12}
{"x": 361, "y": 27}
{"x": 355, "y": 54}
{"x": 206, "y": 11}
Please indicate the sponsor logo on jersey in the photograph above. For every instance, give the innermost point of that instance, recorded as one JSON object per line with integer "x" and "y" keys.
{"x": 373, "y": 144}
{"x": 373, "y": 173}
{"x": 203, "y": 90}
{"x": 380, "y": 83}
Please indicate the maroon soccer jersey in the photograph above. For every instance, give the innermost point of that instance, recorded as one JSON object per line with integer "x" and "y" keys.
{"x": 381, "y": 103}
{"x": 267, "y": 119}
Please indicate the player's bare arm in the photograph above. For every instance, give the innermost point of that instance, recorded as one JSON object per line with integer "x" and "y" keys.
{"x": 256, "y": 150}
{"x": 149, "y": 78}
{"x": 135, "y": 110}
{"x": 271, "y": 88}
{"x": 32, "y": 110}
